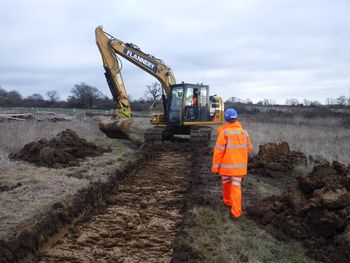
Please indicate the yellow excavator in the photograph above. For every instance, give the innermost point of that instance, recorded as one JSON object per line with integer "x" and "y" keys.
{"x": 187, "y": 108}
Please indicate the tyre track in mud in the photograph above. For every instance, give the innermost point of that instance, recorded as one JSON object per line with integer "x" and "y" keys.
{"x": 140, "y": 223}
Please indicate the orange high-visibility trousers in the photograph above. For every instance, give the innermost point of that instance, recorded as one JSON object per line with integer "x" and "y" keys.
{"x": 232, "y": 194}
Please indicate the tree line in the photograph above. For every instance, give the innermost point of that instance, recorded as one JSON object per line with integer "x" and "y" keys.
{"x": 81, "y": 96}
{"x": 340, "y": 101}
{"x": 88, "y": 97}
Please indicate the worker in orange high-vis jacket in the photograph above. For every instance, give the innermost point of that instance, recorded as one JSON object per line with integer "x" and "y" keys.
{"x": 230, "y": 160}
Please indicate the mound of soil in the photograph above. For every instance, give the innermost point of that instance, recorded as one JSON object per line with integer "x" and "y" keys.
{"x": 64, "y": 150}
{"x": 316, "y": 211}
{"x": 276, "y": 160}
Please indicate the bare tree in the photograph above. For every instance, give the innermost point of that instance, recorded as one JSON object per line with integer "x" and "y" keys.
{"x": 3, "y": 94}
{"x": 272, "y": 102}
{"x": 330, "y": 101}
{"x": 315, "y": 103}
{"x": 268, "y": 102}
{"x": 84, "y": 95}
{"x": 53, "y": 96}
{"x": 292, "y": 102}
{"x": 235, "y": 100}
{"x": 342, "y": 100}
{"x": 153, "y": 91}
{"x": 307, "y": 102}
{"x": 35, "y": 97}
{"x": 14, "y": 97}
{"x": 248, "y": 101}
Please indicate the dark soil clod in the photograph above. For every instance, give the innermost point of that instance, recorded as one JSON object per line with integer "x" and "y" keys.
{"x": 316, "y": 211}
{"x": 276, "y": 160}
{"x": 64, "y": 150}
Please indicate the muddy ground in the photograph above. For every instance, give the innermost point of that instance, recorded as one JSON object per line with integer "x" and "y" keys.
{"x": 209, "y": 234}
{"x": 129, "y": 218}
{"x": 29, "y": 194}
{"x": 316, "y": 211}
{"x": 143, "y": 216}
{"x": 140, "y": 221}
{"x": 168, "y": 209}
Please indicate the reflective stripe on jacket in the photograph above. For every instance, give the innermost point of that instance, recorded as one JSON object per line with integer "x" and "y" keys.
{"x": 231, "y": 150}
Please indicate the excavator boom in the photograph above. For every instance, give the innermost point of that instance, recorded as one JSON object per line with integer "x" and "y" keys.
{"x": 110, "y": 48}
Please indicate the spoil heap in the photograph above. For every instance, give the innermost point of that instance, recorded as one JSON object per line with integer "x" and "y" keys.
{"x": 316, "y": 211}
{"x": 64, "y": 150}
{"x": 276, "y": 160}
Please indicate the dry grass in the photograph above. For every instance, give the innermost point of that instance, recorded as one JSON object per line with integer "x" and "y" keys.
{"x": 15, "y": 134}
{"x": 324, "y": 138}
{"x": 40, "y": 187}
{"x": 36, "y": 188}
{"x": 220, "y": 239}
{"x": 33, "y": 189}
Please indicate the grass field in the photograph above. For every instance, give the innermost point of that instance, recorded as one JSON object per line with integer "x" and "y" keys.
{"x": 241, "y": 241}
{"x": 15, "y": 134}
{"x": 324, "y": 138}
{"x": 18, "y": 110}
{"x": 320, "y": 137}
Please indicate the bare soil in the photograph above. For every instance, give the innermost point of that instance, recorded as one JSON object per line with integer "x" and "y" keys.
{"x": 146, "y": 215}
{"x": 143, "y": 216}
{"x": 204, "y": 190}
{"x": 276, "y": 160}
{"x": 316, "y": 211}
{"x": 140, "y": 221}
{"x": 64, "y": 150}
{"x": 206, "y": 234}
{"x": 37, "y": 201}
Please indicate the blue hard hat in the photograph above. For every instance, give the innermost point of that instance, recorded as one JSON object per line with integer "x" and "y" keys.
{"x": 230, "y": 115}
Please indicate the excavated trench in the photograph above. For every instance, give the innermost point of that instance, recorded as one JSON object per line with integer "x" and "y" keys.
{"x": 141, "y": 214}
{"x": 140, "y": 222}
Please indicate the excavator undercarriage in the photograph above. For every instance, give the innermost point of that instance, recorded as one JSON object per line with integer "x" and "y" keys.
{"x": 160, "y": 134}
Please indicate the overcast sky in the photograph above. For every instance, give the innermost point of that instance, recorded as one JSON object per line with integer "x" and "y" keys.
{"x": 244, "y": 48}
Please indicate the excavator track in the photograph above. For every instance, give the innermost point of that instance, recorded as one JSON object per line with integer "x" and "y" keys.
{"x": 139, "y": 225}
{"x": 201, "y": 135}
{"x": 156, "y": 135}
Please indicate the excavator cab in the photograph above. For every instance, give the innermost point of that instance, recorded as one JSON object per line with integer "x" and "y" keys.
{"x": 189, "y": 104}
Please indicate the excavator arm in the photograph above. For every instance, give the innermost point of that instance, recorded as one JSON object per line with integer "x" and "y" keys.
{"x": 112, "y": 74}
{"x": 110, "y": 48}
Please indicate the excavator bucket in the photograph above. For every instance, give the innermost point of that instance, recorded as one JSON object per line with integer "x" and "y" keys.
{"x": 118, "y": 128}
